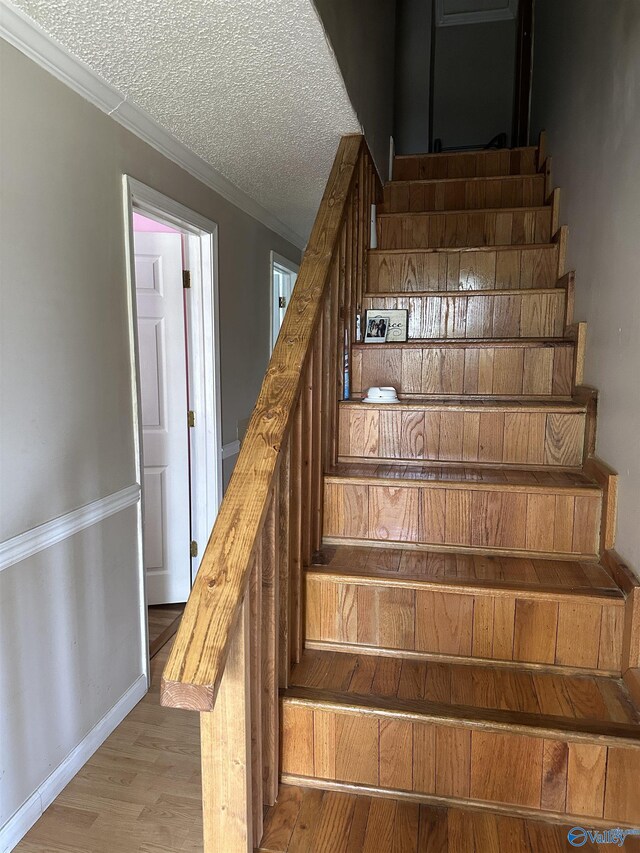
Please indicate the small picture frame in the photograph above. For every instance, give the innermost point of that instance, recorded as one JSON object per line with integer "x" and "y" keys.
{"x": 375, "y": 328}
{"x": 397, "y": 324}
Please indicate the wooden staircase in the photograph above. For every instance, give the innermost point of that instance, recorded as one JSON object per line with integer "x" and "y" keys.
{"x": 470, "y": 637}
{"x": 418, "y": 602}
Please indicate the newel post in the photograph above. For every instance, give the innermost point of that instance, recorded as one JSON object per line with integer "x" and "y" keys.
{"x": 225, "y": 735}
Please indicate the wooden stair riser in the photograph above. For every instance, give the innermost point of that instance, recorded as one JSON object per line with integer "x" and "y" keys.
{"x": 508, "y": 268}
{"x": 458, "y": 369}
{"x": 466, "y": 435}
{"x": 477, "y": 164}
{"x": 584, "y": 778}
{"x": 488, "y": 624}
{"x": 464, "y": 194}
{"x": 462, "y": 516}
{"x": 465, "y": 228}
{"x": 534, "y": 314}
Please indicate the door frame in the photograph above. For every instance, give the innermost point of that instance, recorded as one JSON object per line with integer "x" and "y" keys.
{"x": 291, "y": 267}
{"x": 204, "y": 367}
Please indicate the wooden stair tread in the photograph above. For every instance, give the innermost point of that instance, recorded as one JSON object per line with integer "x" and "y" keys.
{"x": 507, "y": 247}
{"x": 475, "y": 474}
{"x": 380, "y": 823}
{"x": 586, "y": 704}
{"x": 530, "y": 208}
{"x": 539, "y": 176}
{"x": 485, "y": 405}
{"x": 433, "y": 155}
{"x": 423, "y": 343}
{"x": 588, "y": 578}
{"x": 435, "y": 294}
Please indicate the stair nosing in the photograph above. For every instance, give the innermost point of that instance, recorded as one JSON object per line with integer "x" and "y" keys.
{"x": 472, "y": 587}
{"x": 570, "y": 407}
{"x": 504, "y": 247}
{"x": 498, "y": 291}
{"x": 588, "y": 488}
{"x": 469, "y": 211}
{"x": 539, "y": 175}
{"x": 467, "y": 716}
{"x": 472, "y": 152}
{"x": 468, "y": 342}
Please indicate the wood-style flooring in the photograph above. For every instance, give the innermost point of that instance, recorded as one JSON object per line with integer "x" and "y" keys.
{"x": 140, "y": 793}
{"x": 163, "y": 621}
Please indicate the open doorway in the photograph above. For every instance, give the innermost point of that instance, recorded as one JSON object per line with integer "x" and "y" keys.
{"x": 175, "y": 349}
{"x": 283, "y": 277}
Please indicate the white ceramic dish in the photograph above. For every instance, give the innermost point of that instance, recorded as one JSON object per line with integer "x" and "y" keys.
{"x": 381, "y": 395}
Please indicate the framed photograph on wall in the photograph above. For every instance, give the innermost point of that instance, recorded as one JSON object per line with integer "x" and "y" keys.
{"x": 376, "y": 327}
{"x": 398, "y": 321}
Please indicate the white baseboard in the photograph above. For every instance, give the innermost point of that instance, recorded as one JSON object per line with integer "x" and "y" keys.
{"x": 21, "y": 822}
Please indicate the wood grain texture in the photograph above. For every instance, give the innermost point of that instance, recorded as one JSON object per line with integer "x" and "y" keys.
{"x": 516, "y": 161}
{"x": 515, "y": 768}
{"x": 542, "y": 436}
{"x": 487, "y": 314}
{"x": 454, "y": 270}
{"x": 195, "y": 667}
{"x": 520, "y": 368}
{"x": 364, "y": 823}
{"x": 226, "y": 763}
{"x": 464, "y": 193}
{"x": 490, "y": 624}
{"x": 454, "y": 229}
{"x": 496, "y": 512}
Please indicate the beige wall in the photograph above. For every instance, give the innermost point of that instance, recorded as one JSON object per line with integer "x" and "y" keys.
{"x": 413, "y": 75}
{"x": 363, "y": 38}
{"x": 65, "y": 392}
{"x": 586, "y": 86}
{"x": 473, "y": 79}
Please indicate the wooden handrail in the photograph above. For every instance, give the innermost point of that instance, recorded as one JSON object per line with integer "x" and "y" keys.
{"x": 196, "y": 665}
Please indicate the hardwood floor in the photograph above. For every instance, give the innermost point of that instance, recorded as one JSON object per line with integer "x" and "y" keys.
{"x": 317, "y": 821}
{"x": 139, "y": 793}
{"x": 163, "y": 621}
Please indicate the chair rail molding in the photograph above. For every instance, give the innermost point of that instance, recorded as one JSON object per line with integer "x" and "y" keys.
{"x": 29, "y": 38}
{"x": 45, "y": 535}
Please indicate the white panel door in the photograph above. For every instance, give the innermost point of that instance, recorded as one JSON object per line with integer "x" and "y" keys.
{"x": 165, "y": 440}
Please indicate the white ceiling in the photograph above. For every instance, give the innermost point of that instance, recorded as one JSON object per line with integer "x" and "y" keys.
{"x": 251, "y": 86}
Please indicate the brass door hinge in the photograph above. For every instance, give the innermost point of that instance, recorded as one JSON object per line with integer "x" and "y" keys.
{"x": 193, "y": 550}
{"x": 282, "y": 302}
{"x": 191, "y": 418}
{"x": 186, "y": 278}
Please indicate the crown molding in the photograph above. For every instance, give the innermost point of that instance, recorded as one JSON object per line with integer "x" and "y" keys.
{"x": 29, "y": 38}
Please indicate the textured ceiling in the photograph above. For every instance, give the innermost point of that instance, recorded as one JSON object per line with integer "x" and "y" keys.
{"x": 251, "y": 86}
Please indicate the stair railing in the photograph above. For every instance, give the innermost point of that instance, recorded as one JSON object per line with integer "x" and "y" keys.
{"x": 242, "y": 628}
